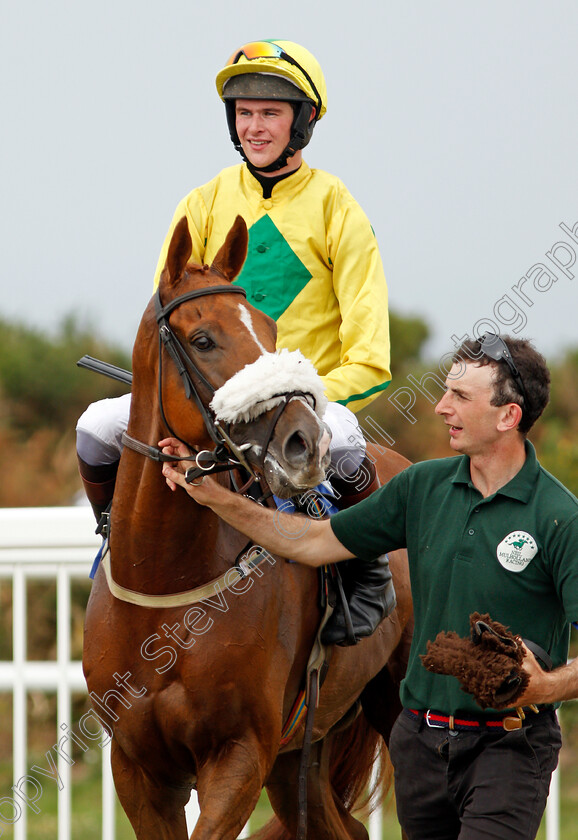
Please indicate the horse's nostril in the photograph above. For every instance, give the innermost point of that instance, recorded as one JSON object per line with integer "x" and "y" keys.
{"x": 295, "y": 448}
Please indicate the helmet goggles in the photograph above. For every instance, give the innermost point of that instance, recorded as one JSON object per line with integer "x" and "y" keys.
{"x": 268, "y": 49}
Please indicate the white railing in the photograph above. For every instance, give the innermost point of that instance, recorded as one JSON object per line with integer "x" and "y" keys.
{"x": 59, "y": 544}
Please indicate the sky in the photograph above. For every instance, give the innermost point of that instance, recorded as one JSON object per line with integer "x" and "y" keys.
{"x": 453, "y": 123}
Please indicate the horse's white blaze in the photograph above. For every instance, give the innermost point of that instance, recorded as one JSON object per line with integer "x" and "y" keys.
{"x": 248, "y": 321}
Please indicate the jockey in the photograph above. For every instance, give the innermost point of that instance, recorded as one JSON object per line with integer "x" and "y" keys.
{"x": 313, "y": 265}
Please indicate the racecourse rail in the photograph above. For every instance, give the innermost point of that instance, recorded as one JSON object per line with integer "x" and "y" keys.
{"x": 59, "y": 544}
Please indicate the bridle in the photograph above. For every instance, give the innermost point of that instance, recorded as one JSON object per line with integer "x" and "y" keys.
{"x": 219, "y": 459}
{"x": 226, "y": 456}
{"x": 184, "y": 364}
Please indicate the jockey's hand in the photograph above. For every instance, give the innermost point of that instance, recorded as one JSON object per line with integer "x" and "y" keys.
{"x": 204, "y": 491}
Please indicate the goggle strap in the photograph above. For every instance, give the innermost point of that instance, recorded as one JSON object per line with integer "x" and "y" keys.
{"x": 280, "y": 54}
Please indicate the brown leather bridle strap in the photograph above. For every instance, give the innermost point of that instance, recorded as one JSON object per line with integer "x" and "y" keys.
{"x": 183, "y": 362}
{"x": 221, "y": 458}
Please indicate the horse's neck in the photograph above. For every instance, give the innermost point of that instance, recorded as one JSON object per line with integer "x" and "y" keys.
{"x": 172, "y": 542}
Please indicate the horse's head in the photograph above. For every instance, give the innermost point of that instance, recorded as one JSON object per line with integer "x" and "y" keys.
{"x": 219, "y": 377}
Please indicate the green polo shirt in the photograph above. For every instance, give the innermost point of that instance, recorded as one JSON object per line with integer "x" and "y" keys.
{"x": 513, "y": 555}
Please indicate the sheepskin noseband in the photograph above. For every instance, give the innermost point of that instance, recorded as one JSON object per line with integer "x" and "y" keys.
{"x": 263, "y": 384}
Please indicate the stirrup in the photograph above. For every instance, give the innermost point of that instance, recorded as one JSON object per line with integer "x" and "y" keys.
{"x": 103, "y": 524}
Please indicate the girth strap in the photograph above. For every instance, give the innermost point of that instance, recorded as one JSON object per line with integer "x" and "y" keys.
{"x": 248, "y": 563}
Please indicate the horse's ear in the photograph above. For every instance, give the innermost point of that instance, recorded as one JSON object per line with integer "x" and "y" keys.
{"x": 180, "y": 250}
{"x": 232, "y": 254}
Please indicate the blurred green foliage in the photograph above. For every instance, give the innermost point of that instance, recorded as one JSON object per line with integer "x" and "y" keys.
{"x": 40, "y": 384}
{"x": 42, "y": 393}
{"x": 407, "y": 336}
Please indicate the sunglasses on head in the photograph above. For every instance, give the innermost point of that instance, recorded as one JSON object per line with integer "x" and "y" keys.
{"x": 493, "y": 346}
{"x": 267, "y": 49}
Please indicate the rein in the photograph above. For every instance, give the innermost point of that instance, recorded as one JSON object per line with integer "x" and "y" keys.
{"x": 226, "y": 456}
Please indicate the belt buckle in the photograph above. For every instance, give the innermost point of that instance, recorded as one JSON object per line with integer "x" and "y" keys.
{"x": 432, "y": 725}
{"x": 510, "y": 723}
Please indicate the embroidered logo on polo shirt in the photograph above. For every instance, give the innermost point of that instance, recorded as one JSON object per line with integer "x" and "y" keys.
{"x": 516, "y": 551}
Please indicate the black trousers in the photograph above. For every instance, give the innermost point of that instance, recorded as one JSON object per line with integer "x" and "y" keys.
{"x": 484, "y": 785}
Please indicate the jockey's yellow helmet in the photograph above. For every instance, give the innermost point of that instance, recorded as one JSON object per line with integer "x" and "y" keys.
{"x": 275, "y": 69}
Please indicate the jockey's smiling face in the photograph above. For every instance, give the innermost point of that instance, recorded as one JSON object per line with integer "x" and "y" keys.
{"x": 264, "y": 129}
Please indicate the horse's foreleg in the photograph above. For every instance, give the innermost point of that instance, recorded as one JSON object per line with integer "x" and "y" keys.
{"x": 155, "y": 812}
{"x": 229, "y": 786}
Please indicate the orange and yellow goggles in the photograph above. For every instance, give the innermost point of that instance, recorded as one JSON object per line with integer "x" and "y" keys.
{"x": 269, "y": 49}
{"x": 260, "y": 49}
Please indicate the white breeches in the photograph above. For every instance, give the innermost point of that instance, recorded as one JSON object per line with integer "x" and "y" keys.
{"x": 99, "y": 434}
{"x": 99, "y": 430}
{"x": 347, "y": 447}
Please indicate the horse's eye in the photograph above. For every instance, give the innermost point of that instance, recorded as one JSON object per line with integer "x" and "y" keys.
{"x": 202, "y": 343}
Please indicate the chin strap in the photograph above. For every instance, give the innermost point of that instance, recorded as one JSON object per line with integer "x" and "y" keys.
{"x": 273, "y": 167}
{"x": 301, "y": 131}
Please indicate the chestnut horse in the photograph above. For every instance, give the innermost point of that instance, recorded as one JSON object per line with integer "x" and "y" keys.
{"x": 195, "y": 688}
